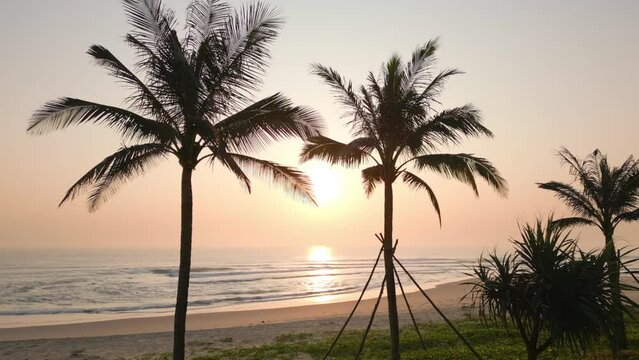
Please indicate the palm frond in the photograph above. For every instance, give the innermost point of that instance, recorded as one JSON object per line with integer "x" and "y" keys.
{"x": 64, "y": 112}
{"x": 463, "y": 167}
{"x": 392, "y": 74}
{"x": 366, "y": 144}
{"x": 415, "y": 182}
{"x": 368, "y": 107}
{"x": 447, "y": 127}
{"x": 417, "y": 69}
{"x": 436, "y": 86}
{"x": 161, "y": 67}
{"x": 148, "y": 59}
{"x": 291, "y": 180}
{"x": 150, "y": 19}
{"x": 568, "y": 158}
{"x": 577, "y": 201}
{"x": 625, "y": 191}
{"x": 229, "y": 162}
{"x": 271, "y": 119}
{"x": 334, "y": 152}
{"x": 372, "y": 176}
{"x": 627, "y": 216}
{"x": 584, "y": 172}
{"x": 203, "y": 18}
{"x": 143, "y": 98}
{"x": 116, "y": 168}
{"x": 247, "y": 36}
{"x": 343, "y": 91}
{"x": 375, "y": 89}
{"x": 574, "y": 221}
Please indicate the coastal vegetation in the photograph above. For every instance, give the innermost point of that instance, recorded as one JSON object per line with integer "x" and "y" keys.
{"x": 397, "y": 128}
{"x": 491, "y": 340}
{"x": 609, "y": 196}
{"x": 549, "y": 290}
{"x": 191, "y": 101}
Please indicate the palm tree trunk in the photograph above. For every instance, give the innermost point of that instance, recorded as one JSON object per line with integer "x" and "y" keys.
{"x": 619, "y": 330}
{"x": 389, "y": 269}
{"x": 179, "y": 325}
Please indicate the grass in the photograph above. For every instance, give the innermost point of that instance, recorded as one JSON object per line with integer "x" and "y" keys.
{"x": 491, "y": 341}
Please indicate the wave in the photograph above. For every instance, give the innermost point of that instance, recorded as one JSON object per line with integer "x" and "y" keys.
{"x": 253, "y": 270}
{"x": 82, "y": 310}
{"x": 149, "y": 287}
{"x": 261, "y": 278}
{"x": 291, "y": 296}
{"x": 253, "y": 296}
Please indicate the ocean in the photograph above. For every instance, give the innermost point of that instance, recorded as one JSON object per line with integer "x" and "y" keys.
{"x": 39, "y": 287}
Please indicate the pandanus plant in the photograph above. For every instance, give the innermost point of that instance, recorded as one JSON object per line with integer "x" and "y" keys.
{"x": 193, "y": 102}
{"x": 396, "y": 128}
{"x": 607, "y": 197}
{"x": 552, "y": 292}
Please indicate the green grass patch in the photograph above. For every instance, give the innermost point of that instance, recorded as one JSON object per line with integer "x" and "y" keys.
{"x": 293, "y": 338}
{"x": 491, "y": 341}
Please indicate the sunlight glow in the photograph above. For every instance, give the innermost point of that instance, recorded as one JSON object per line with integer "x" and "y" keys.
{"x": 321, "y": 281}
{"x": 326, "y": 184}
{"x": 320, "y": 254}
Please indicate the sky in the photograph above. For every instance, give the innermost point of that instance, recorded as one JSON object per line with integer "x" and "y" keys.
{"x": 545, "y": 74}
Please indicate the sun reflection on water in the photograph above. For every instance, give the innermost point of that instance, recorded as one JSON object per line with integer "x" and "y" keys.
{"x": 321, "y": 280}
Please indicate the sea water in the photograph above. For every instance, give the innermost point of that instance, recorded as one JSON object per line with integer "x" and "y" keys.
{"x": 39, "y": 287}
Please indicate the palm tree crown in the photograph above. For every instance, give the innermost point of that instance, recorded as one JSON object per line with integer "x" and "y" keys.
{"x": 608, "y": 195}
{"x": 193, "y": 101}
{"x": 396, "y": 126}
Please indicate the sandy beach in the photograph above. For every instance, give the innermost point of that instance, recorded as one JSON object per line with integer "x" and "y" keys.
{"x": 135, "y": 337}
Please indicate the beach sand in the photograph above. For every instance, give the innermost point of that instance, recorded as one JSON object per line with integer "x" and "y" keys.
{"x": 135, "y": 337}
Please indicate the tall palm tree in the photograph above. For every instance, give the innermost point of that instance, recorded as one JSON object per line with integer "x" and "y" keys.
{"x": 607, "y": 197}
{"x": 192, "y": 102}
{"x": 396, "y": 127}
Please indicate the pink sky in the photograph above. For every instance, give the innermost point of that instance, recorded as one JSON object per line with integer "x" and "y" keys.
{"x": 545, "y": 74}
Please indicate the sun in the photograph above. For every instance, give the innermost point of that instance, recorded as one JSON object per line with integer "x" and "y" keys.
{"x": 319, "y": 253}
{"x": 326, "y": 184}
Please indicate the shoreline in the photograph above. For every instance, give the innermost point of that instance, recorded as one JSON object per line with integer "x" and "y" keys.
{"x": 448, "y": 295}
{"x": 42, "y": 320}
{"x": 136, "y": 338}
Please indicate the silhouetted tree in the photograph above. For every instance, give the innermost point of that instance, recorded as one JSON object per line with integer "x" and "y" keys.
{"x": 549, "y": 289}
{"x": 192, "y": 102}
{"x": 608, "y": 197}
{"x": 396, "y": 127}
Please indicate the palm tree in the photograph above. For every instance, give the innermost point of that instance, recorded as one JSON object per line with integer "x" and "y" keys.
{"x": 395, "y": 126}
{"x": 194, "y": 103}
{"x": 608, "y": 197}
{"x": 552, "y": 292}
